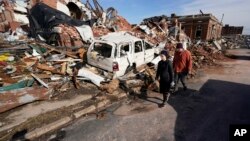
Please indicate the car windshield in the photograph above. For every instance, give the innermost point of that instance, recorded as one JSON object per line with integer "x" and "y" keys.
{"x": 103, "y": 49}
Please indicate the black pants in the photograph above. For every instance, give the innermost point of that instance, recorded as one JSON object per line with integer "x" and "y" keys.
{"x": 180, "y": 76}
{"x": 164, "y": 89}
{"x": 165, "y": 94}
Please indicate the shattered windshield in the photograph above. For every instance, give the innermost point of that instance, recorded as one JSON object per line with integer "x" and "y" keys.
{"x": 103, "y": 49}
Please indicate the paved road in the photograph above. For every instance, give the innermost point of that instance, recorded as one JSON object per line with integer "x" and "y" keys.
{"x": 220, "y": 97}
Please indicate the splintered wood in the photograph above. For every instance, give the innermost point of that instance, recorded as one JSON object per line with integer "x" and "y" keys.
{"x": 111, "y": 87}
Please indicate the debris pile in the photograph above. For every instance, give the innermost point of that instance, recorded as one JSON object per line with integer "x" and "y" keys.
{"x": 12, "y": 16}
{"x": 235, "y": 41}
{"x": 99, "y": 31}
{"x": 154, "y": 29}
{"x": 52, "y": 53}
{"x": 204, "y": 55}
{"x": 120, "y": 24}
{"x": 41, "y": 67}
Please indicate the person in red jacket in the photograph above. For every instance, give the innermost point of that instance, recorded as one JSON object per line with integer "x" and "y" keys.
{"x": 182, "y": 65}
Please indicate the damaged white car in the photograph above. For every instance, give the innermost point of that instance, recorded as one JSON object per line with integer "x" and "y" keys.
{"x": 118, "y": 52}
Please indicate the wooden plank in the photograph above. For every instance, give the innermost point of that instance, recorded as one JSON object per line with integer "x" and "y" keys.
{"x": 56, "y": 50}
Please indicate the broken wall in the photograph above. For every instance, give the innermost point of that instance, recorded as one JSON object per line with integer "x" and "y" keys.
{"x": 12, "y": 15}
{"x": 56, "y": 4}
{"x": 204, "y": 27}
{"x": 50, "y": 3}
{"x": 6, "y": 15}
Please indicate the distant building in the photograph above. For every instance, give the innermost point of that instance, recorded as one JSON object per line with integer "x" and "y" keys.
{"x": 200, "y": 26}
{"x": 231, "y": 30}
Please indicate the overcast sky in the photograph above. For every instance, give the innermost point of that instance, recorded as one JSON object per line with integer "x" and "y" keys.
{"x": 236, "y": 12}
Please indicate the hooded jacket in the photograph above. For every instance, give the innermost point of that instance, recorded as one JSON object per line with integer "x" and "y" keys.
{"x": 182, "y": 61}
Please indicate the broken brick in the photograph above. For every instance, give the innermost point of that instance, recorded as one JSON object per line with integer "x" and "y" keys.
{"x": 14, "y": 25}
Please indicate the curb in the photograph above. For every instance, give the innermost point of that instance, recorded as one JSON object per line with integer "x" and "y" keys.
{"x": 54, "y": 125}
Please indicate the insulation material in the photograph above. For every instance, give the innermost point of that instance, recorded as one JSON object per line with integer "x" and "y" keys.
{"x": 96, "y": 79}
{"x": 23, "y": 19}
{"x": 63, "y": 8}
{"x": 86, "y": 33}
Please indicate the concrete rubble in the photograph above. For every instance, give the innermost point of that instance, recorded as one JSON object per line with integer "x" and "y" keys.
{"x": 47, "y": 42}
{"x": 235, "y": 41}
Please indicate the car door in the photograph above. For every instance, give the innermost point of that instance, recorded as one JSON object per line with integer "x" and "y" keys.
{"x": 101, "y": 54}
{"x": 124, "y": 58}
{"x": 149, "y": 52}
{"x": 138, "y": 53}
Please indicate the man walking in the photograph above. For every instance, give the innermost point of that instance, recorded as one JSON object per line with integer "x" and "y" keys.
{"x": 182, "y": 65}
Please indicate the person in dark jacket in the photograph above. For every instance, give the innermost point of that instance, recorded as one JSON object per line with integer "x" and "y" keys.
{"x": 165, "y": 75}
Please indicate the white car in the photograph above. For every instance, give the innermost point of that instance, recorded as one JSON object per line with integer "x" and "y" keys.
{"x": 117, "y": 52}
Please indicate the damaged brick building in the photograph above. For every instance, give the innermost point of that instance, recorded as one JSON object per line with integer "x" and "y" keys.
{"x": 232, "y": 30}
{"x": 200, "y": 26}
{"x": 14, "y": 14}
{"x": 11, "y": 16}
{"x": 69, "y": 7}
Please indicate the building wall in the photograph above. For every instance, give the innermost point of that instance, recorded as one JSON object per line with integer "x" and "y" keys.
{"x": 6, "y": 16}
{"x": 214, "y": 30}
{"x": 50, "y": 3}
{"x": 208, "y": 27}
{"x": 60, "y": 5}
{"x": 188, "y": 30}
{"x": 196, "y": 28}
{"x": 232, "y": 30}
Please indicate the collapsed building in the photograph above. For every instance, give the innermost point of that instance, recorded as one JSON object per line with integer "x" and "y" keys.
{"x": 67, "y": 34}
{"x": 60, "y": 20}
{"x": 12, "y": 16}
{"x": 49, "y": 48}
{"x": 75, "y": 8}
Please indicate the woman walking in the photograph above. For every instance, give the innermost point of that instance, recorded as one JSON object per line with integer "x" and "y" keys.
{"x": 165, "y": 75}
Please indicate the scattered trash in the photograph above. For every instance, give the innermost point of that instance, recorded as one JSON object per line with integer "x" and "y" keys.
{"x": 19, "y": 85}
{"x": 40, "y": 81}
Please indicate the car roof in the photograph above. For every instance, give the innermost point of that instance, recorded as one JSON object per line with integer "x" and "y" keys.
{"x": 119, "y": 37}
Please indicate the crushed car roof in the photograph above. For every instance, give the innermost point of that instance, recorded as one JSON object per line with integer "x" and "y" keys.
{"x": 119, "y": 37}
